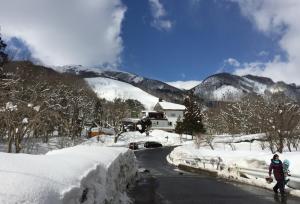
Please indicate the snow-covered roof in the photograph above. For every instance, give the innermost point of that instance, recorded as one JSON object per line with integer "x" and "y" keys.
{"x": 171, "y": 106}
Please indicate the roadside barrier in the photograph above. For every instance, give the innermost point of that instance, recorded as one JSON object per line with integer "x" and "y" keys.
{"x": 216, "y": 164}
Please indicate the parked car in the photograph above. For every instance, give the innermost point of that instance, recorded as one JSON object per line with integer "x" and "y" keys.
{"x": 133, "y": 145}
{"x": 152, "y": 144}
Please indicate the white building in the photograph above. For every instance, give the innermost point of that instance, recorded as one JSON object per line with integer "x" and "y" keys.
{"x": 165, "y": 115}
{"x": 172, "y": 111}
{"x": 158, "y": 119}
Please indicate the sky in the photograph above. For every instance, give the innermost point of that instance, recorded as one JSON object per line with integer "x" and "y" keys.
{"x": 168, "y": 40}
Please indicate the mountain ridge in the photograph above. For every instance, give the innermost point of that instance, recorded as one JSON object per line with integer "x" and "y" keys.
{"x": 217, "y": 87}
{"x": 154, "y": 87}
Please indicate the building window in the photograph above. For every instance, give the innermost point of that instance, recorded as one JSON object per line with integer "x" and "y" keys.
{"x": 170, "y": 123}
{"x": 173, "y": 114}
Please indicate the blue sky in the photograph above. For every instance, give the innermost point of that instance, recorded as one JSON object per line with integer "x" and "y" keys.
{"x": 204, "y": 34}
{"x": 169, "y": 40}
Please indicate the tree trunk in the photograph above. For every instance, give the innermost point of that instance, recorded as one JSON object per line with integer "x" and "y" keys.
{"x": 281, "y": 143}
{"x": 289, "y": 146}
{"x": 17, "y": 145}
{"x": 117, "y": 136}
{"x": 10, "y": 142}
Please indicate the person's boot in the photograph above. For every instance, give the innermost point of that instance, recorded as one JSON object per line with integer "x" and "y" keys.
{"x": 276, "y": 197}
{"x": 275, "y": 190}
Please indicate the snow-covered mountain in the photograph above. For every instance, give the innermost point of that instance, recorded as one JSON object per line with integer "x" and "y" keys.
{"x": 225, "y": 86}
{"x": 218, "y": 87}
{"x": 111, "y": 89}
{"x": 154, "y": 87}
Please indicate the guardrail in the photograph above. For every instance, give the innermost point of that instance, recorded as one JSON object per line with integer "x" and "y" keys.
{"x": 205, "y": 162}
{"x": 216, "y": 163}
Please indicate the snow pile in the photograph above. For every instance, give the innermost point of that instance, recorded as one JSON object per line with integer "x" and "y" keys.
{"x": 111, "y": 89}
{"x": 80, "y": 174}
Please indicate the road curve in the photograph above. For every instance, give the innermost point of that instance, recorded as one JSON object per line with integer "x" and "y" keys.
{"x": 164, "y": 184}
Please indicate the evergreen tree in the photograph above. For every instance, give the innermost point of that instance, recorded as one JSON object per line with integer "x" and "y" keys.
{"x": 3, "y": 55}
{"x": 179, "y": 127}
{"x": 192, "y": 121}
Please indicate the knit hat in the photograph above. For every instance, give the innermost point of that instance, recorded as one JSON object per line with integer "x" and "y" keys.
{"x": 286, "y": 162}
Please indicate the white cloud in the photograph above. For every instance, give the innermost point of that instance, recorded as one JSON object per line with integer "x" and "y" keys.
{"x": 159, "y": 14}
{"x": 280, "y": 18}
{"x": 263, "y": 53}
{"x": 61, "y": 32}
{"x": 229, "y": 65}
{"x": 233, "y": 62}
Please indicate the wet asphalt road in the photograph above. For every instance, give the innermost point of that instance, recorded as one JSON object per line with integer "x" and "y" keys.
{"x": 164, "y": 184}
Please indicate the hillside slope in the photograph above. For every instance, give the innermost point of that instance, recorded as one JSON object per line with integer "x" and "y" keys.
{"x": 154, "y": 87}
{"x": 111, "y": 89}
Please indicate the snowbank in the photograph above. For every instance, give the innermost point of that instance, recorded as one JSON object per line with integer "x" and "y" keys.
{"x": 233, "y": 156}
{"x": 242, "y": 157}
{"x": 80, "y": 174}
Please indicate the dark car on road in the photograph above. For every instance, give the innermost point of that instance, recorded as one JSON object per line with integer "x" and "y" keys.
{"x": 133, "y": 145}
{"x": 152, "y": 144}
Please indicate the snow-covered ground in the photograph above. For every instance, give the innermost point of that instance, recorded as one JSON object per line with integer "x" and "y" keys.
{"x": 98, "y": 171}
{"x": 233, "y": 152}
{"x": 111, "y": 89}
{"x": 163, "y": 137}
{"x": 237, "y": 153}
{"x": 85, "y": 173}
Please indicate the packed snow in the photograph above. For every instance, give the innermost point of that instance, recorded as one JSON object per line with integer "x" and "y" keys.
{"x": 86, "y": 173}
{"x": 111, "y": 89}
{"x": 184, "y": 85}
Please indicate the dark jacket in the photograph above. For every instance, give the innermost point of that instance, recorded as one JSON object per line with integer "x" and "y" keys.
{"x": 277, "y": 167}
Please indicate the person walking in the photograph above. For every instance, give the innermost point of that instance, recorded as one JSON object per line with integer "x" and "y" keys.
{"x": 277, "y": 168}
